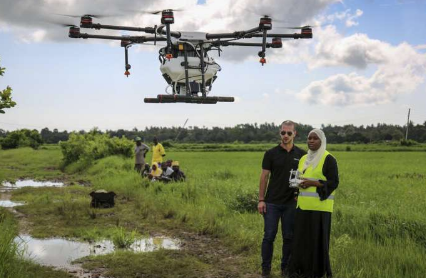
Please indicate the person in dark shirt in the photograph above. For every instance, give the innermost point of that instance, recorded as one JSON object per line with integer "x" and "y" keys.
{"x": 276, "y": 198}
{"x": 177, "y": 174}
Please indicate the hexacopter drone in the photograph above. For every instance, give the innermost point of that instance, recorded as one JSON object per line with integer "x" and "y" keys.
{"x": 185, "y": 63}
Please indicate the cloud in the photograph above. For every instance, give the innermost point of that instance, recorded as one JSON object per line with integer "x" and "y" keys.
{"x": 357, "y": 50}
{"x": 421, "y": 46}
{"x": 399, "y": 70}
{"x": 345, "y": 15}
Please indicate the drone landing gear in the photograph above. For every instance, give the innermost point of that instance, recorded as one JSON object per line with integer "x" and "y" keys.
{"x": 187, "y": 99}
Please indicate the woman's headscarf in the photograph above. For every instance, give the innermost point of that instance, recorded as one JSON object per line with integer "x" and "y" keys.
{"x": 314, "y": 157}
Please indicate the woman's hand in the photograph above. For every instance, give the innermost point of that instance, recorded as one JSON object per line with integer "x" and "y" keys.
{"x": 308, "y": 183}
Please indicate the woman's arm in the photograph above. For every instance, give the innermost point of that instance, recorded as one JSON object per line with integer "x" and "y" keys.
{"x": 331, "y": 172}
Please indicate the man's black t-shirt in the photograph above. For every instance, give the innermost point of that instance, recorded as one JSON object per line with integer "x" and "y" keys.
{"x": 280, "y": 162}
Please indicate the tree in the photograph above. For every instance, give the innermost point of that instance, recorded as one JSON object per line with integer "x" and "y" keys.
{"x": 5, "y": 96}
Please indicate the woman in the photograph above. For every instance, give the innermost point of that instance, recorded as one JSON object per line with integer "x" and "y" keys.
{"x": 310, "y": 256}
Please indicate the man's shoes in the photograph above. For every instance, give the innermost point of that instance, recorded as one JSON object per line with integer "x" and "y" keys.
{"x": 266, "y": 273}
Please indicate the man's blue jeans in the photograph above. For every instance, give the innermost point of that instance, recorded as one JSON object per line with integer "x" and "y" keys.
{"x": 271, "y": 218}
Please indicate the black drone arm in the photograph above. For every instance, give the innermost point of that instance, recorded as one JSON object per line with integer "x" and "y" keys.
{"x": 131, "y": 39}
{"x": 234, "y": 35}
{"x": 289, "y": 36}
{"x": 228, "y": 43}
{"x": 97, "y": 26}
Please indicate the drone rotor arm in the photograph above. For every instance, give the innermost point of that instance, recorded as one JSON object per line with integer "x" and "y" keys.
{"x": 131, "y": 39}
{"x": 228, "y": 43}
{"x": 98, "y": 26}
{"x": 234, "y": 35}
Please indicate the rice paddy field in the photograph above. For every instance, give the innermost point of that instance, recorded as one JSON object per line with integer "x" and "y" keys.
{"x": 378, "y": 225}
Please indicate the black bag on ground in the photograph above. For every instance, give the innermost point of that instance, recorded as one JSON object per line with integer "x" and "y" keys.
{"x": 102, "y": 199}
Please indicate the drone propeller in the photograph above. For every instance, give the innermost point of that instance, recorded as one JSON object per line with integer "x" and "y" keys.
{"x": 299, "y": 27}
{"x": 151, "y": 12}
{"x": 60, "y": 23}
{"x": 89, "y": 15}
{"x": 159, "y": 11}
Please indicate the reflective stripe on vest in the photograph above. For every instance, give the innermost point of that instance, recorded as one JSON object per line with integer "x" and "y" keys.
{"x": 314, "y": 194}
{"x": 308, "y": 198}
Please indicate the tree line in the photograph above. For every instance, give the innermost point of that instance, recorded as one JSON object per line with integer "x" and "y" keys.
{"x": 253, "y": 133}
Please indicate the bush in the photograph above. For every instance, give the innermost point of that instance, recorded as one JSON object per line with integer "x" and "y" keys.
{"x": 22, "y": 138}
{"x": 167, "y": 144}
{"x": 408, "y": 142}
{"x": 245, "y": 202}
{"x": 91, "y": 146}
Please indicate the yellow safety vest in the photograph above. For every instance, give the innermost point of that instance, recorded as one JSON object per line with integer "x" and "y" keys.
{"x": 308, "y": 198}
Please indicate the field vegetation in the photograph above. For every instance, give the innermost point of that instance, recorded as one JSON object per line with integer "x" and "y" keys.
{"x": 378, "y": 226}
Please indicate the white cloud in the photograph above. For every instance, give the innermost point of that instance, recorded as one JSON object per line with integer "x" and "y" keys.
{"x": 350, "y": 21}
{"x": 421, "y": 46}
{"x": 345, "y": 15}
{"x": 400, "y": 70}
{"x": 357, "y": 50}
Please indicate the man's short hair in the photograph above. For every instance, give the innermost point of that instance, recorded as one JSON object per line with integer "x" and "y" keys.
{"x": 288, "y": 123}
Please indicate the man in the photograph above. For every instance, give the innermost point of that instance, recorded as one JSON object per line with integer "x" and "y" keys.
{"x": 167, "y": 171}
{"x": 177, "y": 174}
{"x": 140, "y": 152}
{"x": 157, "y": 152}
{"x": 279, "y": 201}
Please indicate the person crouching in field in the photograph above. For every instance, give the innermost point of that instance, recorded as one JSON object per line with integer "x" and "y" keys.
{"x": 279, "y": 201}
{"x": 140, "y": 152}
{"x": 166, "y": 172}
{"x": 177, "y": 174}
{"x": 310, "y": 250}
{"x": 155, "y": 172}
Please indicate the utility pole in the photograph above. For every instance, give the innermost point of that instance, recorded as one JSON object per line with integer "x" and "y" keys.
{"x": 181, "y": 130}
{"x": 408, "y": 122}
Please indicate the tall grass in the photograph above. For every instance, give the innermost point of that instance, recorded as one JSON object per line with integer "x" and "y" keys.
{"x": 9, "y": 252}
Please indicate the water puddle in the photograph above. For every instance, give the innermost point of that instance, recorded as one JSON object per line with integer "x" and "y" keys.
{"x": 10, "y": 204}
{"x": 59, "y": 252}
{"x": 7, "y": 186}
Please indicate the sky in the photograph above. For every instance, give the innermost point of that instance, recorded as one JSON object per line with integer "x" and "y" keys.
{"x": 365, "y": 65}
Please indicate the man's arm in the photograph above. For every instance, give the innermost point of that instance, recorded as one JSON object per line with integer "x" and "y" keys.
{"x": 264, "y": 177}
{"x": 145, "y": 150}
{"x": 162, "y": 151}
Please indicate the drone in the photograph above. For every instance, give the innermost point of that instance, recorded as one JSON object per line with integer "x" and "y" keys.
{"x": 184, "y": 61}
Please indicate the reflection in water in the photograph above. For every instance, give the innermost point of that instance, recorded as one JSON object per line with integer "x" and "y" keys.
{"x": 10, "y": 204}
{"x": 31, "y": 183}
{"x": 60, "y": 252}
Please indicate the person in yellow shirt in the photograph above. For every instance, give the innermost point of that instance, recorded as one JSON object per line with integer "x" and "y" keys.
{"x": 157, "y": 152}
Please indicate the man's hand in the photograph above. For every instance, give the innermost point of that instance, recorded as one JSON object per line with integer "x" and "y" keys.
{"x": 261, "y": 207}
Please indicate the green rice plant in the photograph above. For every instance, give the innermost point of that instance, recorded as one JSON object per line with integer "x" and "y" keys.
{"x": 123, "y": 239}
{"x": 223, "y": 175}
